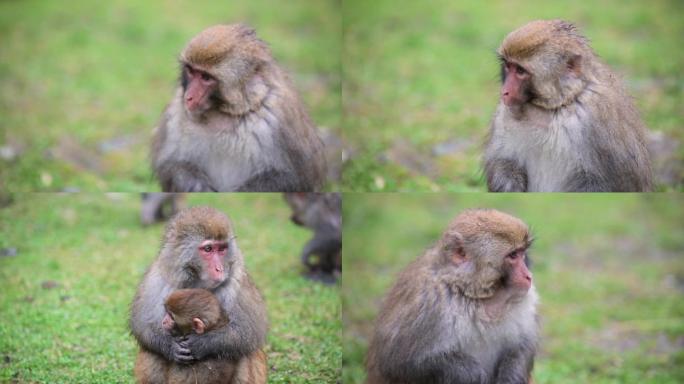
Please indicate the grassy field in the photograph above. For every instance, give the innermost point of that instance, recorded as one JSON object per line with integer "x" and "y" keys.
{"x": 609, "y": 270}
{"x": 83, "y": 83}
{"x": 420, "y": 83}
{"x": 65, "y": 294}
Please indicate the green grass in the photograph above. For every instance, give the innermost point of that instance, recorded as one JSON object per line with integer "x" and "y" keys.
{"x": 82, "y": 74}
{"x": 423, "y": 73}
{"x": 609, "y": 270}
{"x": 94, "y": 248}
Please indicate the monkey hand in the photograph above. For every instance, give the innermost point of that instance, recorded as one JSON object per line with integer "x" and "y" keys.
{"x": 180, "y": 352}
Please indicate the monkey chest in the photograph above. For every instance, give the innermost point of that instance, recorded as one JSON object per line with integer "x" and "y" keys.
{"x": 231, "y": 156}
{"x": 548, "y": 153}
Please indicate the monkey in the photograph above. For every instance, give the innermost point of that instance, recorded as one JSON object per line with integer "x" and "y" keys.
{"x": 198, "y": 311}
{"x": 320, "y": 212}
{"x": 199, "y": 250}
{"x": 235, "y": 122}
{"x": 464, "y": 311}
{"x": 159, "y": 207}
{"x": 187, "y": 310}
{"x": 564, "y": 122}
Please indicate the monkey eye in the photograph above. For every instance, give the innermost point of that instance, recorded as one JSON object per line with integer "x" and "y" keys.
{"x": 206, "y": 77}
{"x": 513, "y": 255}
{"x": 207, "y": 248}
{"x": 520, "y": 70}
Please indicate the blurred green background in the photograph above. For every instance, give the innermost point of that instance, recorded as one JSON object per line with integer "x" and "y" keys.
{"x": 420, "y": 83}
{"x": 83, "y": 83}
{"x": 66, "y": 292}
{"x": 609, "y": 270}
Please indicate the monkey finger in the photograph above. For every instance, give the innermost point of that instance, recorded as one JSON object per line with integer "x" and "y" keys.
{"x": 182, "y": 338}
{"x": 183, "y": 355}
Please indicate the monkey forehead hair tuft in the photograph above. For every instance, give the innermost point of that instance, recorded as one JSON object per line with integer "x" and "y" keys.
{"x": 528, "y": 39}
{"x": 473, "y": 223}
{"x": 203, "y": 222}
{"x": 215, "y": 43}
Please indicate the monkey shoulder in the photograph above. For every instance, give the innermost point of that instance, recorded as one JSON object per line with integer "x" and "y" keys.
{"x": 240, "y": 295}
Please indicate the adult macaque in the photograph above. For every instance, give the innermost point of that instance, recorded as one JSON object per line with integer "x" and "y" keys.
{"x": 235, "y": 122}
{"x": 197, "y": 311}
{"x": 199, "y": 250}
{"x": 564, "y": 122}
{"x": 321, "y": 212}
{"x": 464, "y": 312}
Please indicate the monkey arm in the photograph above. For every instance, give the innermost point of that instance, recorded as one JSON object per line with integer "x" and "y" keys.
{"x": 245, "y": 332}
{"x": 273, "y": 180}
{"x": 516, "y": 363}
{"x": 153, "y": 338}
{"x": 505, "y": 175}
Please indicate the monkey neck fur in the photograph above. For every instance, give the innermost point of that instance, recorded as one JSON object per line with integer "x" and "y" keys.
{"x": 493, "y": 309}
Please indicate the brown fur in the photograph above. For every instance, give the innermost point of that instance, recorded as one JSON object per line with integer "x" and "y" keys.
{"x": 449, "y": 318}
{"x": 204, "y": 221}
{"x": 179, "y": 266}
{"x": 214, "y": 44}
{"x": 185, "y": 305}
{"x": 255, "y": 135}
{"x": 576, "y": 128}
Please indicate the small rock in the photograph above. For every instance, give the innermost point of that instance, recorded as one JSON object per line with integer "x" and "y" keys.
{"x": 8, "y": 252}
{"x": 8, "y": 153}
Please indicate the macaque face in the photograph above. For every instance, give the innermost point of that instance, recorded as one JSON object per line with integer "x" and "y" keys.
{"x": 169, "y": 325}
{"x": 515, "y": 90}
{"x": 519, "y": 278}
{"x": 167, "y": 322}
{"x": 213, "y": 253}
{"x": 198, "y": 86}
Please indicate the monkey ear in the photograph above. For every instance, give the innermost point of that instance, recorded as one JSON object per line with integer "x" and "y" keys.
{"x": 574, "y": 64}
{"x": 453, "y": 249}
{"x": 458, "y": 254}
{"x": 197, "y": 325}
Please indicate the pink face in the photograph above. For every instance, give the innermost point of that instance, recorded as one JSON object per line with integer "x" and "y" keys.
{"x": 212, "y": 253}
{"x": 515, "y": 85}
{"x": 199, "y": 86}
{"x": 519, "y": 276}
{"x": 167, "y": 322}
